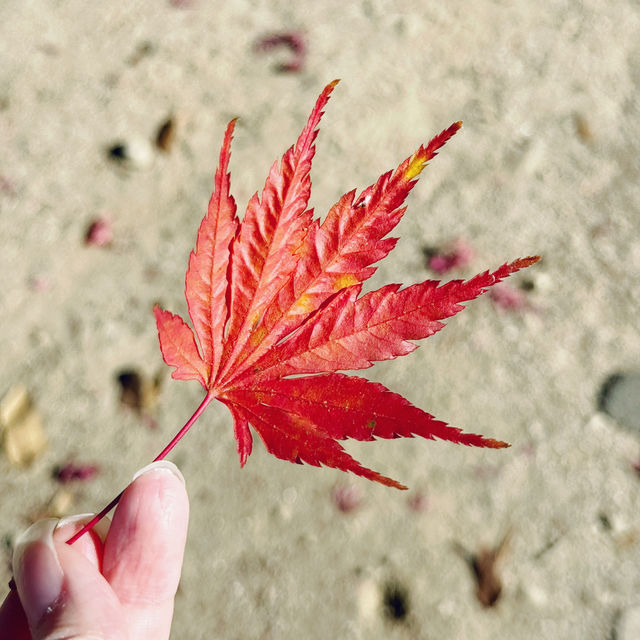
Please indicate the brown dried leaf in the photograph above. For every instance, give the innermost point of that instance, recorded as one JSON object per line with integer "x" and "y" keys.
{"x": 138, "y": 391}
{"x": 489, "y": 585}
{"x": 166, "y": 134}
{"x": 484, "y": 566}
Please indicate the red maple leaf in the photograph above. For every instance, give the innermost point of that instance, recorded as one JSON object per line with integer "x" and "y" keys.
{"x": 277, "y": 311}
{"x": 279, "y": 295}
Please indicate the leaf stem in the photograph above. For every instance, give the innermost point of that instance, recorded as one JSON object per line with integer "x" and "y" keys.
{"x": 163, "y": 454}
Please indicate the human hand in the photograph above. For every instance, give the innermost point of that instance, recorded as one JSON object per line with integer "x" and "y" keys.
{"x": 115, "y": 584}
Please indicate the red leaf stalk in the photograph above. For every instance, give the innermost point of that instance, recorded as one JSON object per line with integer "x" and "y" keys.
{"x": 163, "y": 454}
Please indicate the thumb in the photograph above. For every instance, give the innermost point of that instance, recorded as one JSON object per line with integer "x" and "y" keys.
{"x": 62, "y": 592}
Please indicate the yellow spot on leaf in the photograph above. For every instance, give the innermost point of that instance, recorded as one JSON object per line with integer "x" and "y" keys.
{"x": 345, "y": 280}
{"x": 416, "y": 165}
{"x": 258, "y": 336}
{"x": 304, "y": 304}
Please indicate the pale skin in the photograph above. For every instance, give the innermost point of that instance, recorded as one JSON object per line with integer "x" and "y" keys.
{"x": 119, "y": 585}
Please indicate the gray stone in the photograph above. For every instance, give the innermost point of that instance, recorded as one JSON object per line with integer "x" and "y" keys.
{"x": 620, "y": 398}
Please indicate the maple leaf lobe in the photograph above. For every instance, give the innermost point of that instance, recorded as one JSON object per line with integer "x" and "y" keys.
{"x": 279, "y": 295}
{"x": 178, "y": 347}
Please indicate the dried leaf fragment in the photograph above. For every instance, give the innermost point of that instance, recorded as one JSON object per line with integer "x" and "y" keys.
{"x": 75, "y": 471}
{"x": 141, "y": 51}
{"x": 489, "y": 585}
{"x": 484, "y": 566}
{"x": 510, "y": 298}
{"x": 347, "y": 498}
{"x": 99, "y": 233}
{"x": 418, "y": 501}
{"x": 291, "y": 40}
{"x": 58, "y": 506}
{"x": 166, "y": 134}
{"x": 23, "y": 436}
{"x": 583, "y": 128}
{"x": 139, "y": 393}
{"x": 457, "y": 255}
{"x": 7, "y": 186}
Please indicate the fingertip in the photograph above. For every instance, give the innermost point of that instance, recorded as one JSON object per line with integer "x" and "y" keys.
{"x": 158, "y": 490}
{"x": 159, "y": 466}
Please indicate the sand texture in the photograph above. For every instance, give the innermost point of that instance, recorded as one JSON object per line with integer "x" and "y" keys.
{"x": 546, "y": 163}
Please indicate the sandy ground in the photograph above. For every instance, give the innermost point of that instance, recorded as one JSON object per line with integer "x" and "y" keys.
{"x": 546, "y": 163}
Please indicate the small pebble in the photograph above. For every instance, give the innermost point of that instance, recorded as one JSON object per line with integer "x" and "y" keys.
{"x": 136, "y": 153}
{"x": 620, "y": 399}
{"x": 395, "y": 602}
{"x": 536, "y": 594}
{"x": 536, "y": 281}
{"x": 369, "y": 599}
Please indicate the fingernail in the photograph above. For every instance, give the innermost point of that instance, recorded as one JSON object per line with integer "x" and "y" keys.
{"x": 160, "y": 465}
{"x": 37, "y": 570}
{"x": 100, "y": 528}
